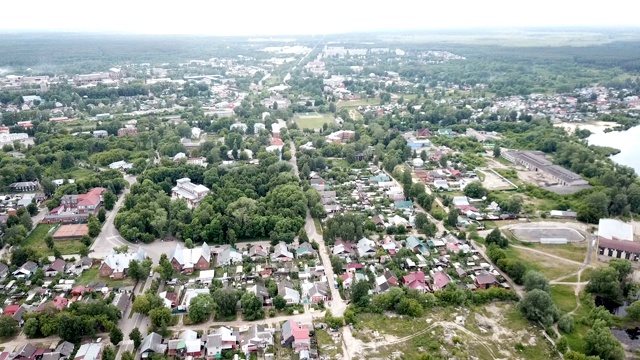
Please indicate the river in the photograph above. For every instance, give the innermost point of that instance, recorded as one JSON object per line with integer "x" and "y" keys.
{"x": 628, "y": 142}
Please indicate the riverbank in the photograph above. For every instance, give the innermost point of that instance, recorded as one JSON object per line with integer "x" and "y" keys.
{"x": 596, "y": 127}
{"x": 626, "y": 141}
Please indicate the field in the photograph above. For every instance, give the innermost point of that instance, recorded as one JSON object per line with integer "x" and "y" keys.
{"x": 312, "y": 120}
{"x": 551, "y": 267}
{"x": 493, "y": 181}
{"x": 487, "y": 332}
{"x": 36, "y": 241}
{"x": 356, "y": 103}
{"x": 534, "y": 234}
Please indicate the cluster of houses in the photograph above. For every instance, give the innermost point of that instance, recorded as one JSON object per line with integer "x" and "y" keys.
{"x": 430, "y": 267}
{"x": 62, "y": 351}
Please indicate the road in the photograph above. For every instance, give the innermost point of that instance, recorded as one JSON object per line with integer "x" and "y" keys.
{"x": 110, "y": 236}
{"x": 338, "y": 306}
{"x": 139, "y": 321}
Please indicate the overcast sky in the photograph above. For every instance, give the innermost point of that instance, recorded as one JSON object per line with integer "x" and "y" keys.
{"x": 261, "y": 17}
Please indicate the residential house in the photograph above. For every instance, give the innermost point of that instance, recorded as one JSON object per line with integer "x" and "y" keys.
{"x": 223, "y": 338}
{"x": 416, "y": 281}
{"x": 316, "y": 292}
{"x": 306, "y": 250}
{"x": 65, "y": 349}
{"x": 295, "y": 336}
{"x": 4, "y": 270}
{"x": 257, "y": 338}
{"x": 366, "y": 247}
{"x": 261, "y": 292}
{"x": 121, "y": 302}
{"x": 78, "y": 290}
{"x": 258, "y": 252}
{"x": 116, "y": 264}
{"x": 152, "y": 344}
{"x": 416, "y": 245}
{"x": 186, "y": 345}
{"x": 343, "y": 248}
{"x": 386, "y": 281}
{"x": 15, "y": 311}
{"x": 486, "y": 280}
{"x": 228, "y": 256}
{"x": 54, "y": 268}
{"x": 347, "y": 280}
{"x": 440, "y": 280}
{"x": 187, "y": 260}
{"x": 25, "y": 351}
{"x": 190, "y": 192}
{"x": 120, "y": 165}
{"x": 281, "y": 253}
{"x": 26, "y": 270}
{"x": 288, "y": 292}
{"x": 83, "y": 203}
{"x": 90, "y": 351}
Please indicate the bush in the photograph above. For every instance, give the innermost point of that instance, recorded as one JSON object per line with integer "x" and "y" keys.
{"x": 566, "y": 323}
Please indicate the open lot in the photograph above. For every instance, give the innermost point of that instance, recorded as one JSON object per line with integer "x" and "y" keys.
{"x": 494, "y": 181}
{"x": 551, "y": 267}
{"x": 534, "y": 234}
{"x": 312, "y": 120}
{"x": 35, "y": 240}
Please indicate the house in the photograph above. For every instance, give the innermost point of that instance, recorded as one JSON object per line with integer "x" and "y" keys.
{"x": 281, "y": 253}
{"x": 366, "y": 247}
{"x": 486, "y": 280}
{"x": 187, "y": 344}
{"x": 152, "y": 344}
{"x": 316, "y": 292}
{"x": 306, "y": 250}
{"x": 23, "y": 186}
{"x": 25, "y": 351}
{"x": 121, "y": 302}
{"x": 26, "y": 270}
{"x": 416, "y": 245}
{"x": 261, "y": 292}
{"x": 91, "y": 351}
{"x": 127, "y": 131}
{"x": 228, "y": 256}
{"x": 416, "y": 281}
{"x": 343, "y": 248}
{"x": 120, "y": 165}
{"x": 83, "y": 203}
{"x": 54, "y": 268}
{"x": 4, "y": 270}
{"x": 99, "y": 134}
{"x": 295, "y": 336}
{"x": 189, "y": 192}
{"x": 187, "y": 260}
{"x": 65, "y": 349}
{"x": 386, "y": 281}
{"x": 78, "y": 290}
{"x": 258, "y": 252}
{"x": 116, "y": 264}
{"x": 288, "y": 292}
{"x": 60, "y": 303}
{"x": 257, "y": 338}
{"x": 440, "y": 280}
{"x": 378, "y": 221}
{"x": 15, "y": 311}
{"x": 347, "y": 280}
{"x": 223, "y": 338}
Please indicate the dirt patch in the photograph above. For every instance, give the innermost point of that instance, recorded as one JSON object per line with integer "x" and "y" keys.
{"x": 493, "y": 181}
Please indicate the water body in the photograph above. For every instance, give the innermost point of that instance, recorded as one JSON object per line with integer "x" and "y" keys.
{"x": 628, "y": 142}
{"x": 612, "y": 306}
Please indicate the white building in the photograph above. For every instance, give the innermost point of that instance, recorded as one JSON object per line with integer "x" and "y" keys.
{"x": 613, "y": 229}
{"x": 189, "y": 191}
{"x": 196, "y": 133}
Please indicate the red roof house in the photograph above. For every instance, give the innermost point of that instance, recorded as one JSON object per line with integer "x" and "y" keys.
{"x": 415, "y": 280}
{"x": 440, "y": 280}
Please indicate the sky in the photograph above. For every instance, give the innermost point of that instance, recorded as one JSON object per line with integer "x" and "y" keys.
{"x": 291, "y": 17}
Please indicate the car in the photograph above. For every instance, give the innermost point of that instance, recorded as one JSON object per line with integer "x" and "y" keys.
{"x": 99, "y": 340}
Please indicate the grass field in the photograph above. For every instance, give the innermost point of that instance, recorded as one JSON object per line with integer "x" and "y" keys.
{"x": 326, "y": 344}
{"x": 563, "y": 297}
{"x": 551, "y": 268}
{"x": 313, "y": 121}
{"x": 356, "y": 103}
{"x": 37, "y": 235}
{"x": 36, "y": 241}
{"x": 93, "y": 275}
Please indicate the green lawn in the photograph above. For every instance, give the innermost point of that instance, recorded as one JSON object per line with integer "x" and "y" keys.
{"x": 314, "y": 121}
{"x": 93, "y": 275}
{"x": 356, "y": 103}
{"x": 36, "y": 241}
{"x": 37, "y": 235}
{"x": 563, "y": 297}
{"x": 318, "y": 225}
{"x": 326, "y": 344}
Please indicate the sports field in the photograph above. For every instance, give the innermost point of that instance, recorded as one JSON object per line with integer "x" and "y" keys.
{"x": 312, "y": 120}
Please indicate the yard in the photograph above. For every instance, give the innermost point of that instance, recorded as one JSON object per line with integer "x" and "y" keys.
{"x": 35, "y": 240}
{"x": 93, "y": 275}
{"x": 564, "y": 297}
{"x": 313, "y": 120}
{"x": 326, "y": 344}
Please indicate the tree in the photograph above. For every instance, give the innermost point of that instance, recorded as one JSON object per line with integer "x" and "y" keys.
{"x": 136, "y": 337}
{"x": 49, "y": 241}
{"x": 496, "y": 151}
{"x": 475, "y": 190}
{"x": 360, "y": 294}
{"x": 336, "y": 264}
{"x": 56, "y": 253}
{"x": 135, "y": 271}
{"x": 566, "y": 323}
{"x": 332, "y": 107}
{"x": 127, "y": 355}
{"x": 535, "y": 280}
{"x": 102, "y": 215}
{"x": 115, "y": 335}
{"x": 109, "y": 200}
{"x": 143, "y": 304}
{"x": 8, "y": 326}
{"x": 410, "y": 307}
{"x": 275, "y": 105}
{"x": 452, "y": 218}
{"x": 633, "y": 311}
{"x": 601, "y": 342}
{"x": 623, "y": 267}
{"x": 495, "y": 237}
{"x": 32, "y": 208}
{"x": 226, "y": 301}
{"x": 165, "y": 268}
{"x": 302, "y": 236}
{"x": 562, "y": 345}
{"x": 15, "y": 235}
{"x": 279, "y": 302}
{"x": 604, "y": 281}
{"x": 201, "y": 308}
{"x": 25, "y": 220}
{"x": 94, "y": 226}
{"x": 188, "y": 243}
{"x": 31, "y": 327}
{"x": 108, "y": 353}
{"x": 512, "y": 205}
{"x": 251, "y": 307}
{"x": 160, "y": 315}
{"x": 537, "y": 305}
